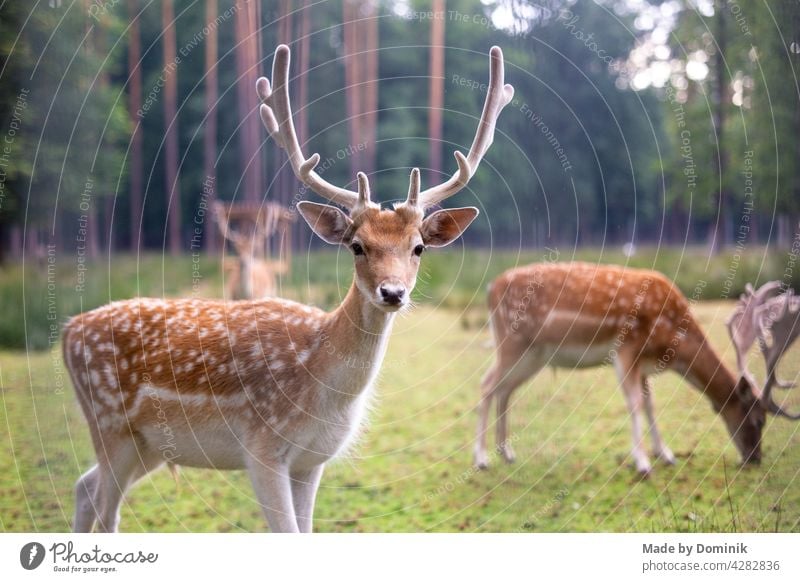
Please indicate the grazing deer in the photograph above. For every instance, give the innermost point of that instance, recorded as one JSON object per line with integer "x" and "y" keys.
{"x": 578, "y": 315}
{"x": 271, "y": 386}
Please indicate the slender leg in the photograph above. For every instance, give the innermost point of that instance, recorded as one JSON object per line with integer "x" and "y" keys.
{"x": 119, "y": 469}
{"x": 304, "y": 493}
{"x": 630, "y": 378}
{"x": 85, "y": 495}
{"x": 660, "y": 449}
{"x": 503, "y": 445}
{"x": 274, "y": 492}
{"x": 487, "y": 393}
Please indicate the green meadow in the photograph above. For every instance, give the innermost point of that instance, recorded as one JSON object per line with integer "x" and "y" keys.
{"x": 412, "y": 468}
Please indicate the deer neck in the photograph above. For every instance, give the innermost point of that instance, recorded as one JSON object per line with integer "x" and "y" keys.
{"x": 355, "y": 338}
{"x": 709, "y": 374}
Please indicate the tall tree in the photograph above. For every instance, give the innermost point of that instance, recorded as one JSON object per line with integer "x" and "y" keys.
{"x": 436, "y": 88}
{"x": 721, "y": 101}
{"x": 210, "y": 133}
{"x": 247, "y": 30}
{"x": 134, "y": 105}
{"x": 171, "y": 132}
{"x": 361, "y": 79}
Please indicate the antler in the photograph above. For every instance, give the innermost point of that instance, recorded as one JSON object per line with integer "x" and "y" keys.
{"x": 742, "y": 322}
{"x": 498, "y": 96}
{"x": 276, "y": 113}
{"x": 778, "y": 322}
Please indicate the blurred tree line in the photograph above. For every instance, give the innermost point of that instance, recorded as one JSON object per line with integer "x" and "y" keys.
{"x": 122, "y": 120}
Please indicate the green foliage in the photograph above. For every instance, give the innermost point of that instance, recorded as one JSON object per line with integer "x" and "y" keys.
{"x": 73, "y": 125}
{"x": 760, "y": 92}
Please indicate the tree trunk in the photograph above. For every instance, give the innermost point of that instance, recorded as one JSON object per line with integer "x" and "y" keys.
{"x": 718, "y": 202}
{"x": 210, "y": 134}
{"x": 352, "y": 77}
{"x": 283, "y": 180}
{"x": 371, "y": 90}
{"x": 246, "y": 27}
{"x": 134, "y": 104}
{"x": 171, "y": 122}
{"x": 436, "y": 90}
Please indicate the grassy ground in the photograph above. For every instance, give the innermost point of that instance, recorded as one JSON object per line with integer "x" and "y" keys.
{"x": 412, "y": 470}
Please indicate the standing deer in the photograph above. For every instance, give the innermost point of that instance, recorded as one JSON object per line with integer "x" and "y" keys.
{"x": 578, "y": 315}
{"x": 271, "y": 386}
{"x": 248, "y": 276}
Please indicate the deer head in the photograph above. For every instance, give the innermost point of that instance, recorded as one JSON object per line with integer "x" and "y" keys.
{"x": 386, "y": 244}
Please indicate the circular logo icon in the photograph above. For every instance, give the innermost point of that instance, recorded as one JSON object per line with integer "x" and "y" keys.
{"x": 31, "y": 555}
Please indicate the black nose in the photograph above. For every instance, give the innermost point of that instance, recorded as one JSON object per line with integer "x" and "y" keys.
{"x": 392, "y": 294}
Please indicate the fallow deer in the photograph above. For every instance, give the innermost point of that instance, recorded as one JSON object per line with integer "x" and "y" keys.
{"x": 578, "y": 315}
{"x": 248, "y": 276}
{"x": 271, "y": 386}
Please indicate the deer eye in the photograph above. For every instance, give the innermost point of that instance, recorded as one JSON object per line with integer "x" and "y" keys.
{"x": 418, "y": 249}
{"x": 357, "y": 249}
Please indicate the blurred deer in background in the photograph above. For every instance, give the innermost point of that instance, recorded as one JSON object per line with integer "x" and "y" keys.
{"x": 248, "y": 276}
{"x": 271, "y": 386}
{"x": 579, "y": 315}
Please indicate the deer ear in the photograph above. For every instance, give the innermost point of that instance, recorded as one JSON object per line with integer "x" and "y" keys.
{"x": 328, "y": 222}
{"x": 744, "y": 389}
{"x": 444, "y": 226}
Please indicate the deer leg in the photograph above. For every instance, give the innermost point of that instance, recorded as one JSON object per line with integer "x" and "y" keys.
{"x": 630, "y": 378}
{"x": 85, "y": 494}
{"x": 503, "y": 446}
{"x": 118, "y": 470}
{"x": 304, "y": 493}
{"x": 660, "y": 449}
{"x": 481, "y": 458}
{"x": 273, "y": 489}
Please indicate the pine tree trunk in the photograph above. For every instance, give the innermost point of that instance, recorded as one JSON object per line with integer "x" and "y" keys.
{"x": 210, "y": 134}
{"x": 718, "y": 202}
{"x": 371, "y": 90}
{"x": 134, "y": 105}
{"x": 171, "y": 131}
{"x": 246, "y": 29}
{"x": 436, "y": 89}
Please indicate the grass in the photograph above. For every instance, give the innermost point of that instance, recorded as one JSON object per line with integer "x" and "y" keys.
{"x": 412, "y": 470}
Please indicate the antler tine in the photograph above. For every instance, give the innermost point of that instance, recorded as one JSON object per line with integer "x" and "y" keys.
{"x": 497, "y": 97}
{"x": 767, "y": 290}
{"x": 276, "y": 113}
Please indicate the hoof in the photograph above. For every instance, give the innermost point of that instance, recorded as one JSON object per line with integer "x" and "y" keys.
{"x": 666, "y": 457}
